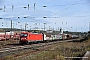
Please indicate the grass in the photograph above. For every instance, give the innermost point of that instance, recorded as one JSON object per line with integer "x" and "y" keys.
{"x": 45, "y": 55}
{"x": 57, "y": 51}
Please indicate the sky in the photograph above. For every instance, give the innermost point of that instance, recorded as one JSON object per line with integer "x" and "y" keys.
{"x": 70, "y": 15}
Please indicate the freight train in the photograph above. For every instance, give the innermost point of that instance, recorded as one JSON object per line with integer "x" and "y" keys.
{"x": 9, "y": 35}
{"x": 27, "y": 37}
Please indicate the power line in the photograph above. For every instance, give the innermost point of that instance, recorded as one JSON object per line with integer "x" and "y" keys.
{"x": 66, "y": 4}
{"x": 45, "y": 6}
{"x": 71, "y": 5}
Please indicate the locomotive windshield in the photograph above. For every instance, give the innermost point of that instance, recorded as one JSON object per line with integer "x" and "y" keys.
{"x": 24, "y": 35}
{"x": 35, "y": 31}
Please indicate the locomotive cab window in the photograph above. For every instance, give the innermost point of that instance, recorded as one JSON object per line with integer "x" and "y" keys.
{"x": 24, "y": 35}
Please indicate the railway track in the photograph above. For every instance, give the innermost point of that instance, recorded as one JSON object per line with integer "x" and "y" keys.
{"x": 37, "y": 47}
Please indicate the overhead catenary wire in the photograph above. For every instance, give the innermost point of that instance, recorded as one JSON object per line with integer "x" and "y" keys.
{"x": 69, "y": 6}
{"x": 65, "y": 4}
{"x": 28, "y": 6}
{"x": 54, "y": 5}
{"x": 66, "y": 9}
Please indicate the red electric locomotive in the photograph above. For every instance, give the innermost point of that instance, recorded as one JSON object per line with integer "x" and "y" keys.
{"x": 27, "y": 37}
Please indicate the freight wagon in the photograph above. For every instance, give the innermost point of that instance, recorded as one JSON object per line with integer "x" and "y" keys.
{"x": 2, "y": 37}
{"x": 8, "y": 35}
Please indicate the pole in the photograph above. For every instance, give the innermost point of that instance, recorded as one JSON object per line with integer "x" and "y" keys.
{"x": 44, "y": 26}
{"x": 11, "y": 26}
{"x": 4, "y": 8}
{"x": 5, "y": 38}
{"x": 25, "y": 26}
{"x": 11, "y": 30}
{"x": 34, "y": 5}
{"x": 28, "y": 6}
{"x": 12, "y": 7}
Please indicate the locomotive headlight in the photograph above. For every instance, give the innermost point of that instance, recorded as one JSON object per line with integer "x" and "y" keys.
{"x": 25, "y": 38}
